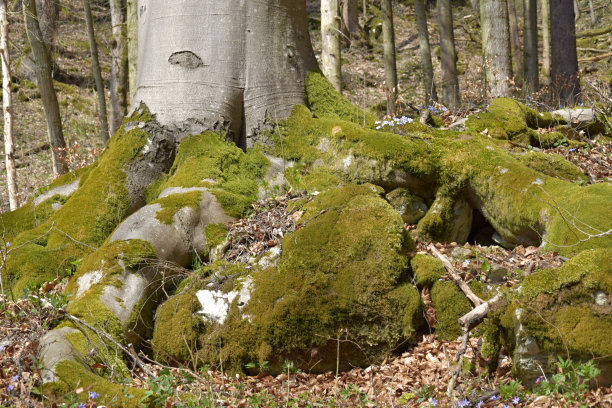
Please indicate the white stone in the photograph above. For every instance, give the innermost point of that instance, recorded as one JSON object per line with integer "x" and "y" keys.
{"x": 87, "y": 281}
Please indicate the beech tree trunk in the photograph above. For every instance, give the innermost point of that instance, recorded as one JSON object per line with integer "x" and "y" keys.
{"x": 119, "y": 65}
{"x": 515, "y": 42}
{"x": 7, "y": 104}
{"x": 428, "y": 76}
{"x": 226, "y": 67}
{"x": 592, "y": 13}
{"x": 350, "y": 16}
{"x": 564, "y": 59}
{"x": 389, "y": 55}
{"x": 45, "y": 87}
{"x": 545, "y": 7}
{"x": 330, "y": 43}
{"x": 95, "y": 65}
{"x": 450, "y": 80}
{"x": 531, "y": 46}
{"x": 132, "y": 47}
{"x": 496, "y": 47}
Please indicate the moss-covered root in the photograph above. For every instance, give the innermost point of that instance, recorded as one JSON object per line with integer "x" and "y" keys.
{"x": 567, "y": 311}
{"x": 114, "y": 291}
{"x": 108, "y": 191}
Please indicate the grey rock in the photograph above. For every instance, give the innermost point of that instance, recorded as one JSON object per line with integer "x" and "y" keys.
{"x": 53, "y": 348}
{"x": 411, "y": 207}
{"x": 497, "y": 274}
{"x": 462, "y": 253}
{"x": 64, "y": 191}
{"x": 601, "y": 298}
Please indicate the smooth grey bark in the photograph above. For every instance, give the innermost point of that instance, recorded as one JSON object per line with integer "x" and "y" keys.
{"x": 532, "y": 68}
{"x": 515, "y": 42}
{"x": 564, "y": 58}
{"x": 95, "y": 65}
{"x": 119, "y": 65}
{"x": 545, "y": 7}
{"x": 389, "y": 55}
{"x": 448, "y": 56}
{"x": 350, "y": 16}
{"x": 7, "y": 105}
{"x": 132, "y": 46}
{"x": 592, "y": 13}
{"x": 48, "y": 14}
{"x": 496, "y": 47}
{"x": 45, "y": 87}
{"x": 429, "y": 84}
{"x": 224, "y": 65}
{"x": 331, "y": 64}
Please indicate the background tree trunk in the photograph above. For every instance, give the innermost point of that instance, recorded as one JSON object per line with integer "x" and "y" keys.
{"x": 475, "y": 6}
{"x": 45, "y": 87}
{"x": 532, "y": 68}
{"x": 428, "y": 76}
{"x": 496, "y": 46}
{"x": 48, "y": 14}
{"x": 119, "y": 65}
{"x": 350, "y": 16}
{"x": 95, "y": 65}
{"x": 450, "y": 81}
{"x": 564, "y": 59}
{"x": 389, "y": 55}
{"x": 592, "y": 12}
{"x": 7, "y": 104}
{"x": 546, "y": 37}
{"x": 515, "y": 42}
{"x": 330, "y": 39}
{"x": 226, "y": 67}
{"x": 132, "y": 47}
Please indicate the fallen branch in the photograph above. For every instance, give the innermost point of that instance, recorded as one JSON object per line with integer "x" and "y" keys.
{"x": 474, "y": 317}
{"x": 597, "y": 58}
{"x": 455, "y": 276}
{"x": 594, "y": 33}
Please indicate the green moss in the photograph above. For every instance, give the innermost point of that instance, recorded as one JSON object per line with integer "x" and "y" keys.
{"x": 334, "y": 273}
{"x": 427, "y": 270}
{"x": 207, "y": 160}
{"x": 173, "y": 203}
{"x": 450, "y": 304}
{"x": 215, "y": 234}
{"x": 552, "y": 165}
{"x": 73, "y": 375}
{"x": 324, "y": 100}
{"x": 177, "y": 329}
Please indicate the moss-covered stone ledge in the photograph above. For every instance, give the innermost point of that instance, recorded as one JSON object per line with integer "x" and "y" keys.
{"x": 560, "y": 312}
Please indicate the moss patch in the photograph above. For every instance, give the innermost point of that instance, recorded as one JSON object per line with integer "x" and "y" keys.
{"x": 174, "y": 202}
{"x": 427, "y": 270}
{"x": 552, "y": 165}
{"x": 450, "y": 304}
{"x": 207, "y": 160}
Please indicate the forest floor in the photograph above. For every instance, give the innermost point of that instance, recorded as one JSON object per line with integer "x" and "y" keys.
{"x": 419, "y": 376}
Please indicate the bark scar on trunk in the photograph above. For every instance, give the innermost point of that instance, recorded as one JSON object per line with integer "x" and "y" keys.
{"x": 186, "y": 59}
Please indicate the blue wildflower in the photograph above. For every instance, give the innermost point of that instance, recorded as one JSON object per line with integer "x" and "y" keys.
{"x": 434, "y": 402}
{"x": 463, "y": 403}
{"x": 493, "y": 398}
{"x": 516, "y": 400}
{"x": 2, "y": 348}
{"x": 480, "y": 404}
{"x": 81, "y": 405}
{"x": 573, "y": 149}
{"x": 11, "y": 387}
{"x": 93, "y": 395}
{"x": 444, "y": 109}
{"x": 15, "y": 378}
{"x": 466, "y": 263}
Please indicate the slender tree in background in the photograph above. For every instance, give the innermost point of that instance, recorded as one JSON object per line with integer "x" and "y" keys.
{"x": 330, "y": 42}
{"x": 95, "y": 65}
{"x": 7, "y": 104}
{"x": 132, "y": 46}
{"x": 531, "y": 46}
{"x": 45, "y": 87}
{"x": 48, "y": 14}
{"x": 545, "y": 7}
{"x": 448, "y": 56}
{"x": 119, "y": 65}
{"x": 515, "y": 42}
{"x": 389, "y": 55}
{"x": 475, "y": 6}
{"x": 496, "y": 47}
{"x": 350, "y": 16}
{"x": 564, "y": 59}
{"x": 592, "y": 12}
{"x": 428, "y": 76}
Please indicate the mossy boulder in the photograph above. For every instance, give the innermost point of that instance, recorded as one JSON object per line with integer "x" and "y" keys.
{"x": 342, "y": 276}
{"x": 450, "y": 304}
{"x": 410, "y": 207}
{"x": 567, "y": 312}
